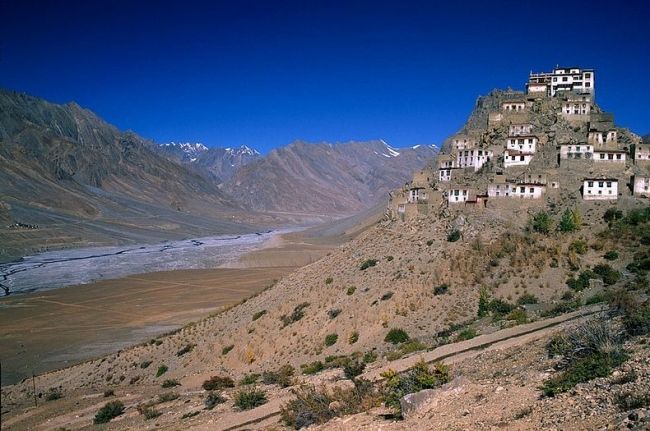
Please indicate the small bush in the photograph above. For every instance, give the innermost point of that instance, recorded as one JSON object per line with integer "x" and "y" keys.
{"x": 582, "y": 282}
{"x": 404, "y": 349}
{"x": 329, "y": 280}
{"x": 518, "y": 315}
{"x": 190, "y": 414}
{"x": 527, "y": 298}
{"x": 283, "y": 377}
{"x": 110, "y": 411}
{"x": 396, "y": 336}
{"x": 331, "y": 339}
{"x": 583, "y": 370}
{"x": 258, "y": 314}
{"x": 633, "y": 400}
{"x": 612, "y": 214}
{"x": 167, "y": 396}
{"x": 386, "y": 296}
{"x": 441, "y": 290}
{"x": 186, "y": 349}
{"x": 353, "y": 338}
{"x": 149, "y": 412}
{"x": 368, "y": 264}
{"x": 570, "y": 221}
{"x": 161, "y": 370}
{"x": 312, "y": 368}
{"x": 389, "y": 258}
{"x": 466, "y": 334}
{"x": 595, "y": 299}
{"x": 145, "y": 364}
{"x": 453, "y": 236}
{"x": 611, "y": 255}
{"x": 249, "y": 399}
{"x": 430, "y": 242}
{"x": 227, "y": 349}
{"x": 213, "y": 399}
{"x": 170, "y": 383}
{"x": 351, "y": 290}
{"x": 607, "y": 274}
{"x": 579, "y": 246}
{"x": 333, "y": 313}
{"x": 109, "y": 393}
{"x": 297, "y": 314}
{"x": 218, "y": 382}
{"x": 414, "y": 380}
{"x": 637, "y": 320}
{"x": 249, "y": 379}
{"x": 541, "y": 223}
{"x": 369, "y": 357}
{"x": 53, "y": 394}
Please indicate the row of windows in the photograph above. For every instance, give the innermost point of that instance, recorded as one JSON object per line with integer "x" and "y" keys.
{"x": 600, "y": 183}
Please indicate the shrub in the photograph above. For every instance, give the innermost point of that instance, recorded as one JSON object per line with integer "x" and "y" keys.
{"x": 145, "y": 364}
{"x": 518, "y": 315}
{"x": 562, "y": 308}
{"x": 389, "y": 258}
{"x": 353, "y": 338}
{"x": 351, "y": 290}
{"x": 109, "y": 393}
{"x": 213, "y": 399}
{"x": 483, "y": 302}
{"x": 367, "y": 264}
{"x": 579, "y": 246}
{"x": 297, "y": 314}
{"x": 312, "y": 368}
{"x": 404, "y": 349}
{"x": 430, "y": 242}
{"x": 612, "y": 214}
{"x": 334, "y": 312}
{"x": 582, "y": 282}
{"x": 331, "y": 339}
{"x": 227, "y": 349}
{"x": 637, "y": 321}
{"x": 369, "y": 357}
{"x": 329, "y": 280}
{"x": 110, "y": 411}
{"x": 570, "y": 221}
{"x": 453, "y": 236}
{"x": 148, "y": 412}
{"x": 611, "y": 255}
{"x": 53, "y": 394}
{"x": 386, "y": 296}
{"x": 249, "y": 399}
{"x": 396, "y": 336}
{"x": 607, "y": 274}
{"x": 631, "y": 400}
{"x": 167, "y": 396}
{"x": 249, "y": 379}
{"x": 186, "y": 349}
{"x": 414, "y": 380}
{"x": 218, "y": 382}
{"x": 500, "y": 307}
{"x": 585, "y": 369}
{"x": 527, "y": 298}
{"x": 353, "y": 368}
{"x": 161, "y": 370}
{"x": 466, "y": 334}
{"x": 258, "y": 314}
{"x": 191, "y": 414}
{"x": 541, "y": 222}
{"x": 595, "y": 299}
{"x": 283, "y": 377}
{"x": 170, "y": 383}
{"x": 312, "y": 406}
{"x": 441, "y": 290}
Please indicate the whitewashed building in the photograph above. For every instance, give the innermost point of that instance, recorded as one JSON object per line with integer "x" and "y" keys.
{"x": 416, "y": 194}
{"x": 475, "y": 158}
{"x": 520, "y": 129}
{"x": 561, "y": 79}
{"x": 641, "y": 153}
{"x": 576, "y": 151}
{"x": 446, "y": 164}
{"x": 527, "y": 190}
{"x": 522, "y": 143}
{"x": 463, "y": 142}
{"x": 576, "y": 105}
{"x": 514, "y": 106}
{"x": 641, "y": 186}
{"x": 600, "y": 189}
{"x": 458, "y": 195}
{"x": 599, "y": 138}
{"x": 516, "y": 158}
{"x": 611, "y": 156}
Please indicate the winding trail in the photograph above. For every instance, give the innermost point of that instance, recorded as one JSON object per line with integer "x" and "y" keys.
{"x": 450, "y": 353}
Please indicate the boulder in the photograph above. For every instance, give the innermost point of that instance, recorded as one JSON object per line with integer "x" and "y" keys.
{"x": 412, "y": 403}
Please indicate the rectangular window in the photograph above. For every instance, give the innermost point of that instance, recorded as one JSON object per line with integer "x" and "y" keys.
{"x": 609, "y": 183}
{"x": 522, "y": 190}
{"x": 618, "y": 157}
{"x": 600, "y": 183}
{"x": 590, "y": 184}
{"x": 532, "y": 190}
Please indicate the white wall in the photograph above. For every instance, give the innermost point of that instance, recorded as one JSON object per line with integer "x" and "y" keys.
{"x": 600, "y": 190}
{"x": 611, "y": 157}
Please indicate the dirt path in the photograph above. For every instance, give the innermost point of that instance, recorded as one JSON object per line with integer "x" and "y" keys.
{"x": 450, "y": 354}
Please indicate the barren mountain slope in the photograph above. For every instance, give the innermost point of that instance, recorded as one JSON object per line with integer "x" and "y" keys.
{"x": 324, "y": 178}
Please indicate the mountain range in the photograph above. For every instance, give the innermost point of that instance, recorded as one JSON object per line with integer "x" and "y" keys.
{"x": 68, "y": 178}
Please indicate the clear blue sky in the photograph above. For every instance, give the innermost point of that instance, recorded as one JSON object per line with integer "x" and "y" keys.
{"x": 264, "y": 73}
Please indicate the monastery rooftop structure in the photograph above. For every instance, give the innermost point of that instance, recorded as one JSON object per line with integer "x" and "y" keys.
{"x": 580, "y": 81}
